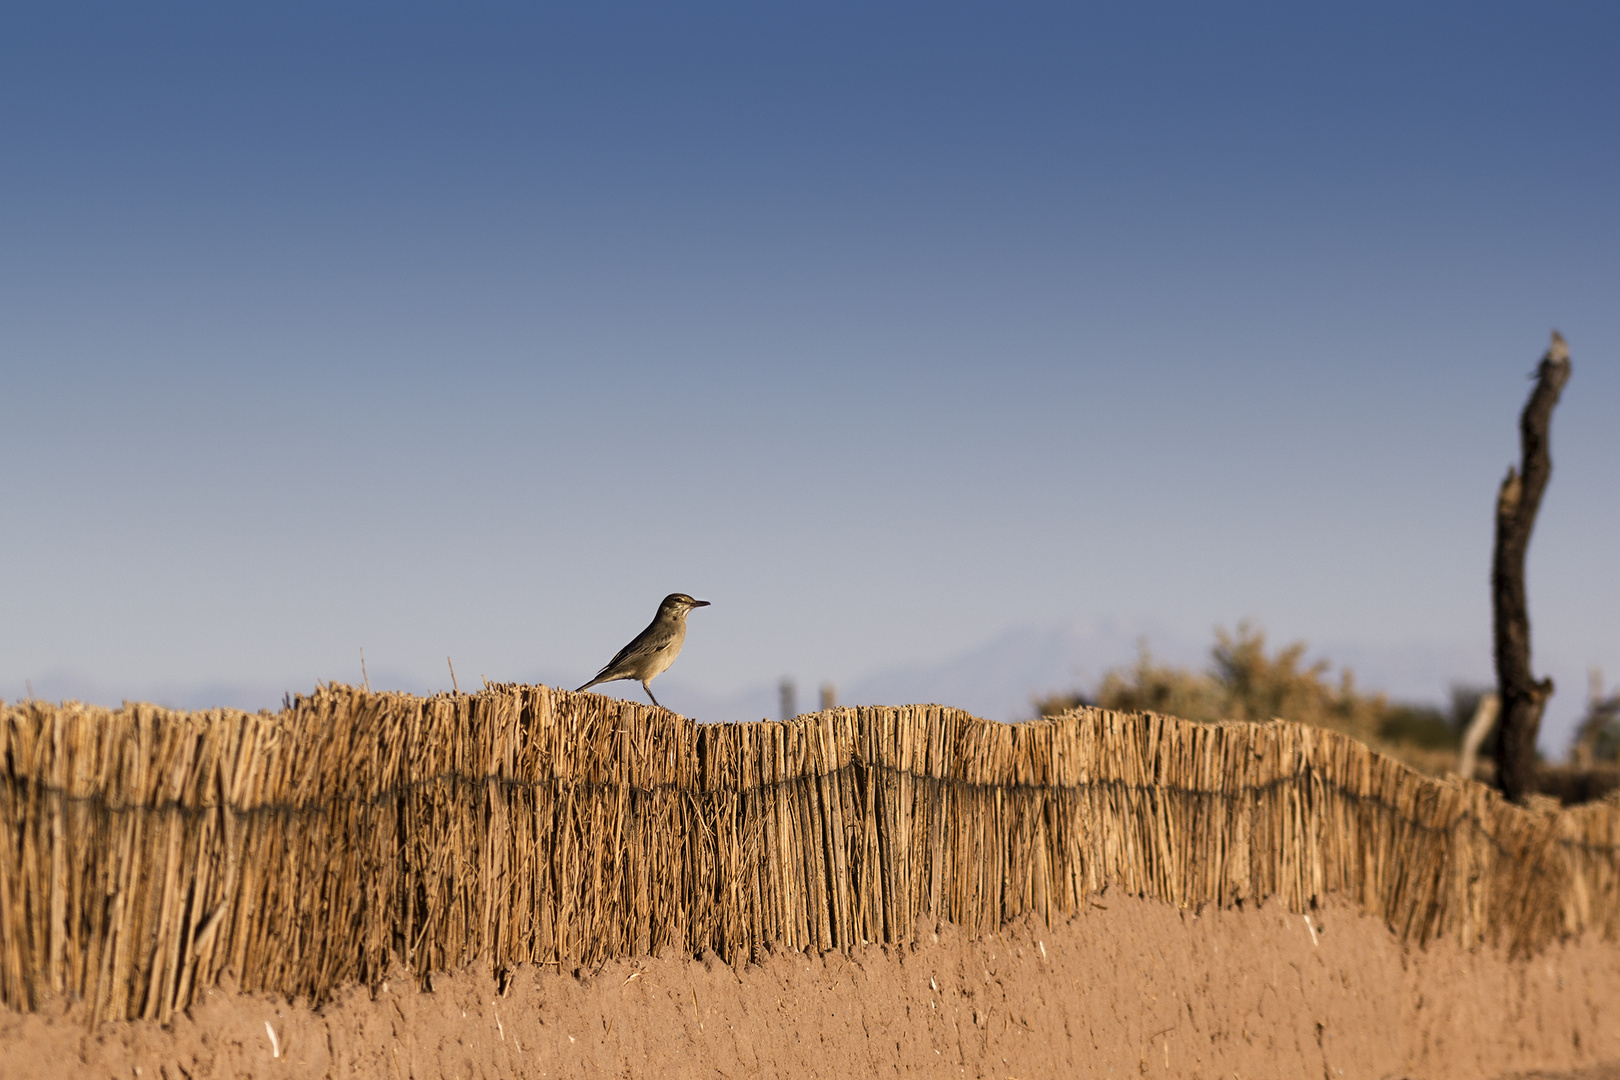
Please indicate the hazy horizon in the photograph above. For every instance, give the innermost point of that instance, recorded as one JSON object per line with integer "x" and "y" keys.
{"x": 998, "y": 678}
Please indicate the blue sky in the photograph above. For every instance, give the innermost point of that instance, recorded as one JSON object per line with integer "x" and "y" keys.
{"x": 890, "y": 329}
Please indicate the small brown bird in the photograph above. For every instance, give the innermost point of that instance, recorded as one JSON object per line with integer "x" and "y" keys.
{"x": 654, "y": 649}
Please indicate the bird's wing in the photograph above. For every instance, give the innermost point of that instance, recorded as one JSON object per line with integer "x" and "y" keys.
{"x": 653, "y": 639}
{"x": 650, "y": 640}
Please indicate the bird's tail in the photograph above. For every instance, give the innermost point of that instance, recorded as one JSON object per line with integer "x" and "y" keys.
{"x": 587, "y": 686}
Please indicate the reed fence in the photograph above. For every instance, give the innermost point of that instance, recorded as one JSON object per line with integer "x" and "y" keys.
{"x": 144, "y": 853}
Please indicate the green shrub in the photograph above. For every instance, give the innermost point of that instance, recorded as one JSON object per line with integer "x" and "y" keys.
{"x": 1420, "y": 725}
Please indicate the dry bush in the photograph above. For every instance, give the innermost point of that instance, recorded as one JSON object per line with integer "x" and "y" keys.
{"x": 1244, "y": 682}
{"x": 1058, "y": 704}
{"x": 1147, "y": 686}
{"x": 1598, "y": 738}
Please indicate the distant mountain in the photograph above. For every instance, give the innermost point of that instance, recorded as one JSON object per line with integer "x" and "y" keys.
{"x": 1000, "y": 679}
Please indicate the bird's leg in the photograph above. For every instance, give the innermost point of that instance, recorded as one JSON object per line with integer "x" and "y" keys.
{"x": 647, "y": 688}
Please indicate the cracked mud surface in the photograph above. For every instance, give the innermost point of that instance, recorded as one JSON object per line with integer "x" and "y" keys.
{"x": 1129, "y": 988}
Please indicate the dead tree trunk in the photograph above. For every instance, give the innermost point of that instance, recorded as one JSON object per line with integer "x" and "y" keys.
{"x": 1523, "y": 696}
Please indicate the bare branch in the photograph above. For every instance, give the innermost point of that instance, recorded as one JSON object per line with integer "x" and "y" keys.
{"x": 1523, "y": 696}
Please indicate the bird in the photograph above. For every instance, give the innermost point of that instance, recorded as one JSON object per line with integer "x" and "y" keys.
{"x": 654, "y": 649}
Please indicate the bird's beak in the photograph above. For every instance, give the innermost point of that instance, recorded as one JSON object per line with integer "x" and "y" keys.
{"x": 700, "y": 603}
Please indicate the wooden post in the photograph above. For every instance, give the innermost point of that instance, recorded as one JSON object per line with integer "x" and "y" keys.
{"x": 1479, "y": 727}
{"x": 829, "y": 696}
{"x": 789, "y": 699}
{"x": 1524, "y": 698}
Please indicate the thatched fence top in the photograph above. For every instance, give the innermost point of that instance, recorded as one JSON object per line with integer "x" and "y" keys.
{"x": 143, "y": 853}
